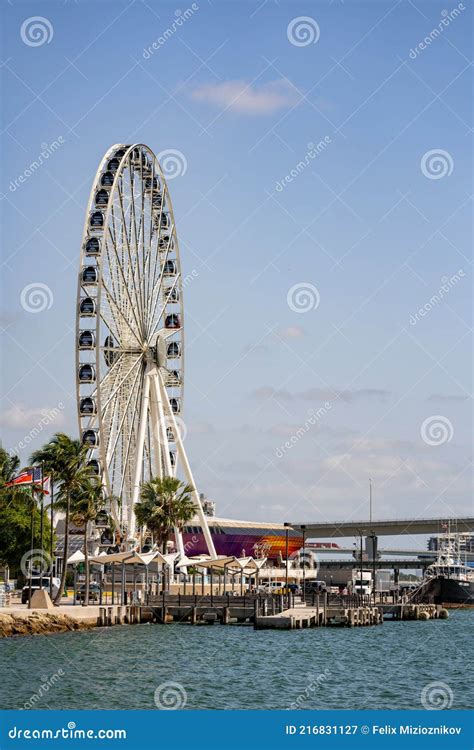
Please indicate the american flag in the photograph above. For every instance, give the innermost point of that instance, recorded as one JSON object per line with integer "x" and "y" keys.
{"x": 29, "y": 476}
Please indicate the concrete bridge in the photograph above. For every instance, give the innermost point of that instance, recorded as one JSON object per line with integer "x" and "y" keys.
{"x": 391, "y": 527}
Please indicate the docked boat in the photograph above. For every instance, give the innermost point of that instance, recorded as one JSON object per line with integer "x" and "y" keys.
{"x": 448, "y": 580}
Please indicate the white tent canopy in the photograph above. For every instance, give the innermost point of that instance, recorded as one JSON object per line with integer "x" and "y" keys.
{"x": 77, "y": 557}
{"x": 232, "y": 564}
{"x": 133, "y": 558}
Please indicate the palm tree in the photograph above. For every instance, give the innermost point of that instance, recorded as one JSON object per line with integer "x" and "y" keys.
{"x": 67, "y": 459}
{"x": 86, "y": 504}
{"x": 164, "y": 504}
{"x": 9, "y": 467}
{"x": 17, "y": 518}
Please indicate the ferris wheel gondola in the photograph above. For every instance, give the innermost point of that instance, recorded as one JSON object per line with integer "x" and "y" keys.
{"x": 130, "y": 333}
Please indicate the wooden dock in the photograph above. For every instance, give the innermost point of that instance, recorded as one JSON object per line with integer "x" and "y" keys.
{"x": 310, "y": 617}
{"x": 265, "y": 611}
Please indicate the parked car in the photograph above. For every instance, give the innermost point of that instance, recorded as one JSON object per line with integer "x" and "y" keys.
{"x": 35, "y": 585}
{"x": 317, "y": 587}
{"x": 94, "y": 592}
{"x": 272, "y": 587}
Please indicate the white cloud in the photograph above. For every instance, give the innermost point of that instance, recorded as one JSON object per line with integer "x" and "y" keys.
{"x": 291, "y": 332}
{"x": 21, "y": 417}
{"x": 249, "y": 98}
{"x": 447, "y": 398}
{"x": 321, "y": 394}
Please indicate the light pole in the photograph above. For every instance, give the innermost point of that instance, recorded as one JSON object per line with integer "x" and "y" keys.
{"x": 304, "y": 562}
{"x": 287, "y": 529}
{"x": 373, "y": 537}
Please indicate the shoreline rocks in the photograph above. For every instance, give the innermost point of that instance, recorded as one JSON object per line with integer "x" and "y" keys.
{"x": 36, "y": 623}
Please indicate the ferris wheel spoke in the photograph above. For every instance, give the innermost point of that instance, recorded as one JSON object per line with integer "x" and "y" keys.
{"x": 111, "y": 299}
{"x": 154, "y": 254}
{"x": 125, "y": 285}
{"x": 133, "y": 224}
{"x": 138, "y": 361}
{"x": 131, "y": 266}
{"x": 132, "y": 440}
{"x": 126, "y": 410}
{"x": 159, "y": 285}
{"x": 157, "y": 322}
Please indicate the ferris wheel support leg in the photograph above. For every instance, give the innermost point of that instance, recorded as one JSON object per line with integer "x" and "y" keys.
{"x": 156, "y": 432}
{"x": 187, "y": 469}
{"x": 163, "y": 440}
{"x": 139, "y": 455}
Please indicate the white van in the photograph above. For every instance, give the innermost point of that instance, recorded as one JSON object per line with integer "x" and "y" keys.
{"x": 272, "y": 587}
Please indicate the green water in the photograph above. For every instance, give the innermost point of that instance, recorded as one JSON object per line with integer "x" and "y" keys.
{"x": 232, "y": 667}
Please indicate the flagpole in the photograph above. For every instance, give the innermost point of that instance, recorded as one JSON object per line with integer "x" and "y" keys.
{"x": 32, "y": 541}
{"x": 51, "y": 487}
{"x": 41, "y": 523}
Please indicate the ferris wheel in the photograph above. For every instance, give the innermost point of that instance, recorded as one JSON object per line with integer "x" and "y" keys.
{"x": 130, "y": 334}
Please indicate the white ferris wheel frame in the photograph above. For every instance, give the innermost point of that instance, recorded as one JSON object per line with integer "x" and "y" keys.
{"x": 133, "y": 425}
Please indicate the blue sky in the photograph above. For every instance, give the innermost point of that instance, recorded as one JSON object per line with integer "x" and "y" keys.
{"x": 368, "y": 222}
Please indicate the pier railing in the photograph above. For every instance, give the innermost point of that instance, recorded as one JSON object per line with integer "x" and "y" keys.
{"x": 258, "y": 602}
